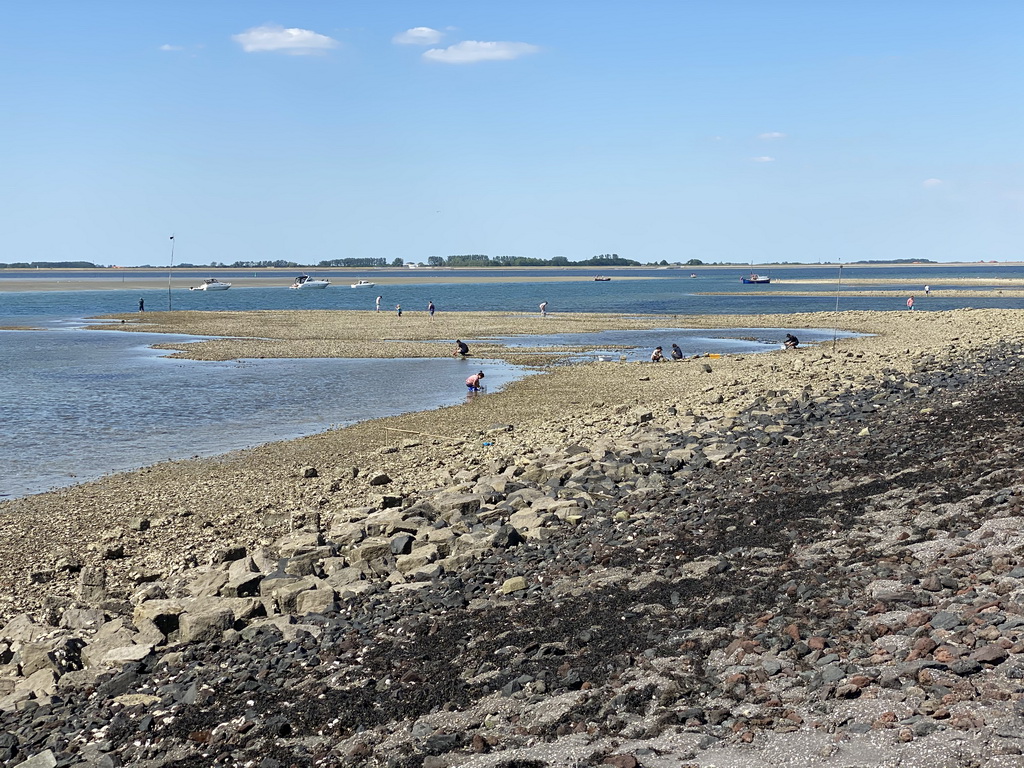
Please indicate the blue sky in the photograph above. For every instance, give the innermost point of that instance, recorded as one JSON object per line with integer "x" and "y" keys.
{"x": 308, "y": 130}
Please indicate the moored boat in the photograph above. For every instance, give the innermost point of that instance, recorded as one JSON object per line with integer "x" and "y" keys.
{"x": 754, "y": 278}
{"x": 211, "y": 284}
{"x": 601, "y": 279}
{"x": 362, "y": 284}
{"x": 305, "y": 281}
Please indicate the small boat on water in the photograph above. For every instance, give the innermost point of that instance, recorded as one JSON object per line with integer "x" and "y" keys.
{"x": 305, "y": 281}
{"x": 211, "y": 284}
{"x": 693, "y": 274}
{"x": 362, "y": 284}
{"x": 754, "y": 278}
{"x": 601, "y": 279}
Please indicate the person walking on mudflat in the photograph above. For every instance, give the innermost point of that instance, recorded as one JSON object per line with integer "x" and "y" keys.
{"x": 910, "y": 303}
{"x": 398, "y": 309}
{"x": 378, "y": 302}
{"x": 431, "y": 308}
{"x": 142, "y": 305}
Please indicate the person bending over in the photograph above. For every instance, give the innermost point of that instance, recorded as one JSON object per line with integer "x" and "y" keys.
{"x": 677, "y": 353}
{"x": 473, "y": 382}
{"x": 657, "y": 356}
{"x": 792, "y": 342}
{"x": 461, "y": 349}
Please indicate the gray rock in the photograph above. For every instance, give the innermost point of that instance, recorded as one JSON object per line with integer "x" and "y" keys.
{"x": 92, "y": 585}
{"x": 44, "y": 759}
{"x": 945, "y": 620}
{"x": 198, "y": 627}
{"x": 379, "y": 478}
{"x": 243, "y": 579}
{"x": 314, "y": 601}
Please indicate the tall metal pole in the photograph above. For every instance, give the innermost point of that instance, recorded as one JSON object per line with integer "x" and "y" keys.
{"x": 169, "y": 275}
{"x": 839, "y": 286}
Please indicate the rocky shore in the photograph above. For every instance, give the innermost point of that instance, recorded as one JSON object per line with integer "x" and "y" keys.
{"x": 806, "y": 559}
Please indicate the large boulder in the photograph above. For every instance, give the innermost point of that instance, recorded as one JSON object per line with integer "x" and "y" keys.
{"x": 205, "y": 625}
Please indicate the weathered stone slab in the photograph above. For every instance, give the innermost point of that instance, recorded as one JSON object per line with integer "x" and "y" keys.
{"x": 314, "y": 601}
{"x": 204, "y": 626}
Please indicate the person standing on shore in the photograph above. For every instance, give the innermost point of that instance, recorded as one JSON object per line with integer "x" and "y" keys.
{"x": 378, "y": 302}
{"x": 142, "y": 305}
{"x": 543, "y": 308}
{"x": 927, "y": 290}
{"x": 910, "y": 303}
{"x": 430, "y": 309}
{"x": 398, "y": 309}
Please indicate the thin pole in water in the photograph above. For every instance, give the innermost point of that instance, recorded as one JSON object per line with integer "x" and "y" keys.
{"x": 839, "y": 285}
{"x": 169, "y": 275}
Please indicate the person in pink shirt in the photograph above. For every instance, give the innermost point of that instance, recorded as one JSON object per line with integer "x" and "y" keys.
{"x": 473, "y": 382}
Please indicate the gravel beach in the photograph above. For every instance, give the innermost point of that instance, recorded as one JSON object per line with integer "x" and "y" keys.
{"x": 808, "y": 558}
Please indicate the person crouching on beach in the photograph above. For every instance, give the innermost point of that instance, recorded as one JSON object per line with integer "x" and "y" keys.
{"x": 791, "y": 342}
{"x": 473, "y": 382}
{"x": 461, "y": 349}
{"x": 657, "y": 356}
{"x": 677, "y": 353}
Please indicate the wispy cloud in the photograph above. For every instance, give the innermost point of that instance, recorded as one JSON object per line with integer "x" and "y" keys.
{"x": 472, "y": 51}
{"x": 274, "y": 38}
{"x": 763, "y": 159}
{"x": 931, "y": 183}
{"x": 166, "y": 47}
{"x": 418, "y": 36}
{"x": 771, "y": 136}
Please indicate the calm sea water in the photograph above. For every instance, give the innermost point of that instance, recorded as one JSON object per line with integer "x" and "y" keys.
{"x": 78, "y": 404}
{"x": 670, "y": 292}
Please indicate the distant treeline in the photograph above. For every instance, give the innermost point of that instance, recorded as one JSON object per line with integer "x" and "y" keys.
{"x": 895, "y": 261}
{"x": 50, "y": 265}
{"x": 358, "y": 263}
{"x": 482, "y": 260}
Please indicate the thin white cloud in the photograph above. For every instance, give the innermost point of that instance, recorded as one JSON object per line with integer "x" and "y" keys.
{"x": 771, "y": 136}
{"x": 472, "y": 51}
{"x": 763, "y": 159}
{"x": 931, "y": 183}
{"x": 418, "y": 36}
{"x": 171, "y": 48}
{"x": 275, "y": 38}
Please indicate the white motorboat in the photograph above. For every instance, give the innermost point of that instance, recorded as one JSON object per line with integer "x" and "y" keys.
{"x": 362, "y": 284}
{"x": 305, "y": 281}
{"x": 211, "y": 284}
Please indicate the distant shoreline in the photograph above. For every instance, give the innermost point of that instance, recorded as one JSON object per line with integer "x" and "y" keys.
{"x": 155, "y": 278}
